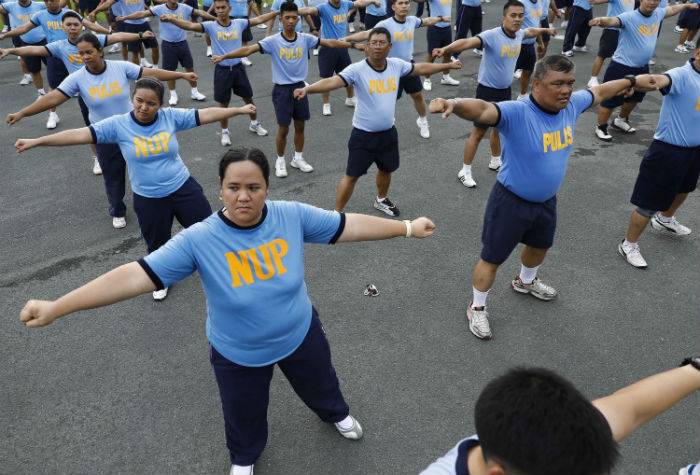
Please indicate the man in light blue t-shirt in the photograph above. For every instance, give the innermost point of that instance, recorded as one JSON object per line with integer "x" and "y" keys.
{"x": 438, "y": 36}
{"x": 374, "y": 138}
{"x": 537, "y": 135}
{"x": 639, "y": 30}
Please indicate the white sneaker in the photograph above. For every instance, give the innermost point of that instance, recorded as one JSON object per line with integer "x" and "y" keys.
{"x": 353, "y": 433}
{"x": 326, "y": 109}
{"x": 53, "y": 120}
{"x": 315, "y": 51}
{"x": 173, "y": 99}
{"x": 198, "y": 96}
{"x": 197, "y": 34}
{"x": 159, "y": 295}
{"x": 677, "y": 29}
{"x": 351, "y": 28}
{"x": 246, "y": 62}
{"x": 301, "y": 164}
{"x": 427, "y": 85}
{"x": 691, "y": 45}
{"x": 517, "y": 73}
{"x": 280, "y": 169}
{"x": 145, "y": 63}
{"x": 263, "y": 26}
{"x": 118, "y": 222}
{"x": 495, "y": 163}
{"x": 41, "y": 92}
{"x": 631, "y": 253}
{"x": 26, "y": 79}
{"x": 593, "y": 82}
{"x": 257, "y": 128}
{"x": 621, "y": 124}
{"x": 424, "y": 127}
{"x": 96, "y": 168}
{"x": 568, "y": 54}
{"x": 116, "y": 47}
{"x": 466, "y": 179}
{"x": 477, "y": 52}
{"x": 449, "y": 81}
{"x": 479, "y": 322}
{"x": 564, "y": 24}
{"x": 5, "y": 29}
{"x": 351, "y": 101}
{"x": 521, "y": 96}
{"x": 241, "y": 470}
{"x": 581, "y": 49}
{"x": 209, "y": 53}
{"x": 678, "y": 49}
{"x": 225, "y": 139}
{"x": 671, "y": 227}
{"x": 559, "y": 37}
{"x": 651, "y": 62}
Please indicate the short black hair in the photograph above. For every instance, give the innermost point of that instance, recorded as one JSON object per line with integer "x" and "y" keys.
{"x": 71, "y": 14}
{"x": 512, "y": 3}
{"x": 288, "y": 6}
{"x": 533, "y": 421}
{"x": 239, "y": 154}
{"x": 151, "y": 83}
{"x": 379, "y": 30}
{"x": 89, "y": 37}
{"x": 555, "y": 62}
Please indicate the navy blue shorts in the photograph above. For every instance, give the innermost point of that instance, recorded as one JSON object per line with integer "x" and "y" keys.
{"x": 469, "y": 19}
{"x": 84, "y": 111}
{"x": 135, "y": 46}
{"x": 491, "y": 94}
{"x": 247, "y": 35}
{"x": 88, "y": 5}
{"x": 544, "y": 23}
{"x": 509, "y": 220}
{"x": 366, "y": 148}
{"x": 192, "y": 3}
{"x": 288, "y": 108}
{"x": 618, "y": 71}
{"x": 410, "y": 84}
{"x": 174, "y": 53}
{"x": 438, "y": 37}
{"x": 113, "y": 19}
{"x": 231, "y": 78}
{"x": 316, "y": 20}
{"x": 56, "y": 71}
{"x": 33, "y": 63}
{"x": 372, "y": 20}
{"x": 690, "y": 19}
{"x": 665, "y": 171}
{"x": 565, "y": 3}
{"x": 608, "y": 43}
{"x": 332, "y": 60}
{"x": 528, "y": 57}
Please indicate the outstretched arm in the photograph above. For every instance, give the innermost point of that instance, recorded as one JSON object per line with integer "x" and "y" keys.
{"x": 475, "y": 110}
{"x": 25, "y": 51}
{"x": 634, "y": 405}
{"x": 45, "y": 102}
{"x": 605, "y": 22}
{"x": 20, "y": 30}
{"x": 610, "y": 89}
{"x": 263, "y": 18}
{"x": 537, "y": 32}
{"x": 458, "y": 46}
{"x": 119, "y": 284}
{"x": 104, "y": 5}
{"x": 119, "y": 37}
{"x": 184, "y": 24}
{"x": 135, "y": 15}
{"x": 361, "y": 227}
{"x": 165, "y": 75}
{"x": 357, "y": 37}
{"x": 96, "y": 27}
{"x": 337, "y": 44}
{"x": 676, "y": 9}
{"x": 324, "y": 85}
{"x": 203, "y": 14}
{"x": 431, "y": 68}
{"x": 214, "y": 114}
{"x": 61, "y": 139}
{"x": 237, "y": 53}
{"x": 434, "y": 20}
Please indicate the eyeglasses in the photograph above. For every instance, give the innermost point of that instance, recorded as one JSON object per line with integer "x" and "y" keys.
{"x": 380, "y": 44}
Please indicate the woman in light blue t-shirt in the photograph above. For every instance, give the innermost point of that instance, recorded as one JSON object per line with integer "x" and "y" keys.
{"x": 249, "y": 256}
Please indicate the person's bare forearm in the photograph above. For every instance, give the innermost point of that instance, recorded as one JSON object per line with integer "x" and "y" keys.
{"x": 187, "y": 25}
{"x": 263, "y": 18}
{"x": 65, "y": 138}
{"x": 215, "y": 114}
{"x": 97, "y": 28}
{"x": 430, "y": 68}
{"x": 45, "y": 102}
{"x": 609, "y": 89}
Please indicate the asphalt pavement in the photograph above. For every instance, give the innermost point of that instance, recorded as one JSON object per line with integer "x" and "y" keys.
{"x": 128, "y": 388}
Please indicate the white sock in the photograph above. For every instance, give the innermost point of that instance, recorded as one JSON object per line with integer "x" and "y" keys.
{"x": 298, "y": 155}
{"x": 663, "y": 218}
{"x": 495, "y": 157}
{"x": 254, "y": 122}
{"x": 173, "y": 93}
{"x": 423, "y": 120}
{"x": 528, "y": 274}
{"x": 280, "y": 159}
{"x": 54, "y": 114}
{"x": 627, "y": 243}
{"x": 479, "y": 299}
{"x": 467, "y": 169}
{"x": 445, "y": 75}
{"x": 224, "y": 131}
{"x": 346, "y": 423}
{"x": 41, "y": 91}
{"x": 194, "y": 90}
{"x": 594, "y": 77}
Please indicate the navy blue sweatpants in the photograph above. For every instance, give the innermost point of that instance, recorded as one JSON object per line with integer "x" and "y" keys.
{"x": 114, "y": 175}
{"x": 578, "y": 25}
{"x": 245, "y": 392}
{"x": 155, "y": 215}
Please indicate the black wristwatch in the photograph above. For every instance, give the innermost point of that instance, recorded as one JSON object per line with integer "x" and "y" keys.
{"x": 694, "y": 361}
{"x": 441, "y": 18}
{"x": 140, "y": 35}
{"x": 632, "y": 79}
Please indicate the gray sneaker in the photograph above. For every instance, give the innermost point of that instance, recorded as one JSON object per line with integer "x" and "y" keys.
{"x": 631, "y": 254}
{"x": 672, "y": 227}
{"x": 479, "y": 322}
{"x": 353, "y": 433}
{"x": 537, "y": 289}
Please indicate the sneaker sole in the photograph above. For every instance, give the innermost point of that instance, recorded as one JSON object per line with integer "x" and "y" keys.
{"x": 624, "y": 256}
{"x": 299, "y": 168}
{"x": 520, "y": 290}
{"x": 494, "y": 168}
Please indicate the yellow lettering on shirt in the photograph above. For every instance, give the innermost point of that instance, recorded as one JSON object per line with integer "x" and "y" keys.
{"x": 403, "y": 36}
{"x": 75, "y": 59}
{"x": 536, "y": 13}
{"x": 133, "y": 2}
{"x": 23, "y": 18}
{"x": 557, "y": 140}
{"x": 697, "y": 107}
{"x": 145, "y": 146}
{"x": 510, "y": 51}
{"x": 102, "y": 91}
{"x": 291, "y": 53}
{"x": 446, "y": 3}
{"x": 382, "y": 86}
{"x": 240, "y": 262}
{"x": 227, "y": 35}
{"x": 340, "y": 18}
{"x": 628, "y": 3}
{"x": 648, "y": 30}
{"x": 54, "y": 25}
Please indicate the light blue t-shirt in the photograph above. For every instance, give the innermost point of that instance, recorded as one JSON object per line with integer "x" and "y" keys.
{"x": 51, "y": 24}
{"x": 239, "y": 8}
{"x": 258, "y": 307}
{"x": 116, "y": 9}
{"x": 131, "y": 6}
{"x": 380, "y": 10}
{"x": 401, "y": 36}
{"x": 334, "y": 21}
{"x": 68, "y": 52}
{"x": 617, "y": 7}
{"x": 471, "y": 3}
{"x": 500, "y": 56}
{"x": 276, "y": 6}
{"x": 168, "y": 31}
{"x": 151, "y": 150}
{"x": 536, "y": 145}
{"x": 225, "y": 39}
{"x": 441, "y": 8}
{"x": 533, "y": 15}
{"x": 20, "y": 15}
{"x": 638, "y": 34}
{"x": 376, "y": 92}
{"x": 454, "y": 461}
{"x": 679, "y": 119}
{"x": 106, "y": 93}
{"x": 290, "y": 59}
